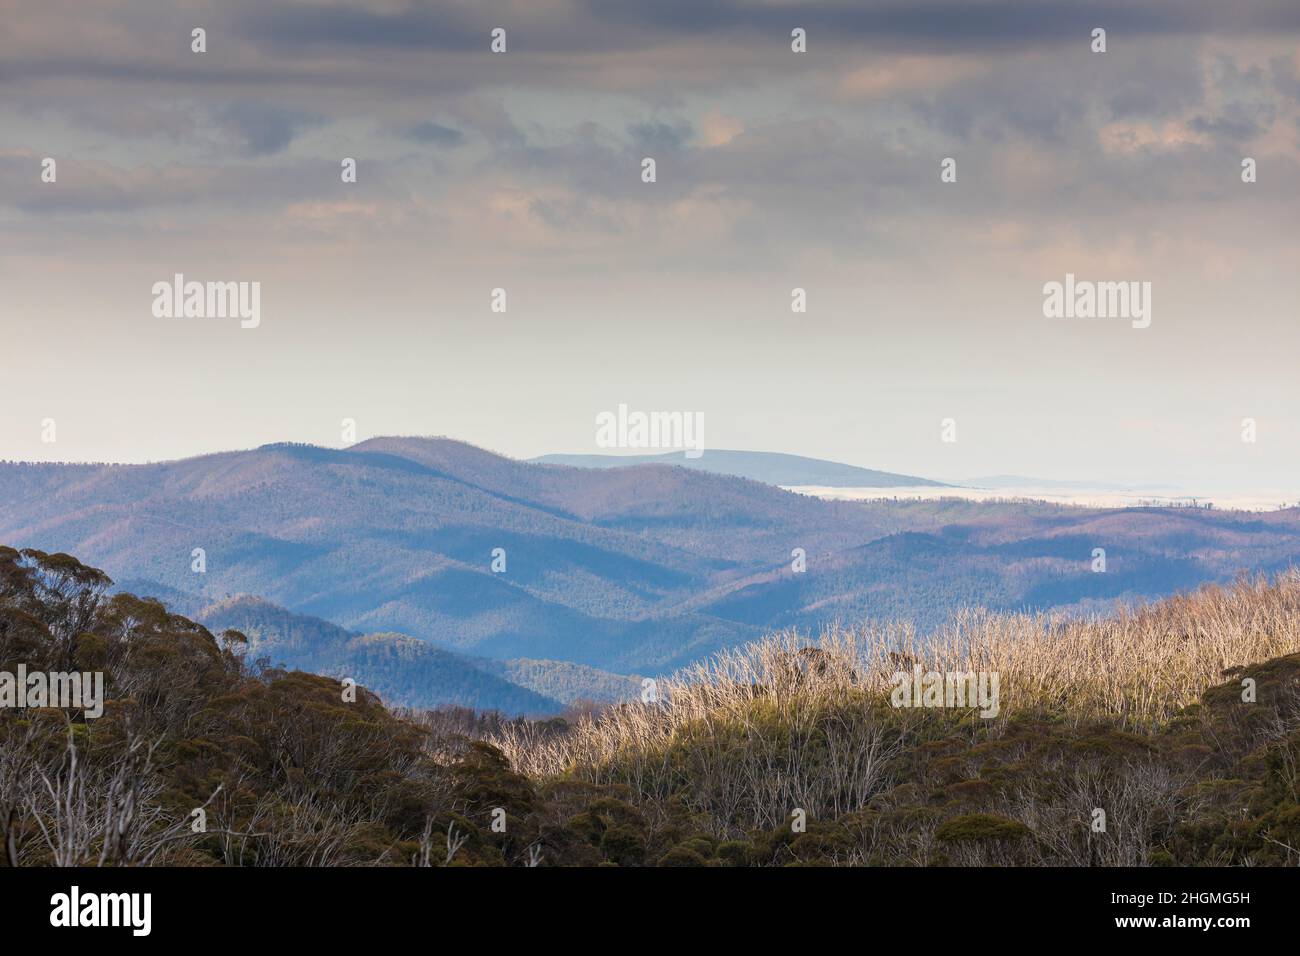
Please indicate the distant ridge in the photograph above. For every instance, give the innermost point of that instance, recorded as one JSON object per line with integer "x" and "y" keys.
{"x": 406, "y": 671}
{"x": 772, "y": 468}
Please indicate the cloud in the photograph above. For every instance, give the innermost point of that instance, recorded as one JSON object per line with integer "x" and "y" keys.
{"x": 264, "y": 130}
{"x": 951, "y": 25}
{"x": 829, "y": 153}
{"x": 718, "y": 129}
{"x": 657, "y": 136}
{"x": 434, "y": 134}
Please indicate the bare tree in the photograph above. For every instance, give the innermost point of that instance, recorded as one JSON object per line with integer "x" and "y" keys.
{"x": 80, "y": 808}
{"x": 455, "y": 840}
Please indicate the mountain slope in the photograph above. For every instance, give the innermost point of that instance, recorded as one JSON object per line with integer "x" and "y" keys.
{"x": 409, "y": 672}
{"x": 768, "y": 467}
{"x": 401, "y": 669}
{"x": 565, "y": 682}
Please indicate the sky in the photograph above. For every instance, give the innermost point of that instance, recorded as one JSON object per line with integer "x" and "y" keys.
{"x": 775, "y": 170}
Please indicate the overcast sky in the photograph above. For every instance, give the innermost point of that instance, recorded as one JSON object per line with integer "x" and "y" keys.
{"x": 775, "y": 170}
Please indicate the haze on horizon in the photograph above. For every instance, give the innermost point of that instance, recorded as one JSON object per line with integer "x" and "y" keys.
{"x": 775, "y": 170}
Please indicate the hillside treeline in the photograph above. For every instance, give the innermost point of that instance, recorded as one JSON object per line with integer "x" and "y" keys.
{"x": 1180, "y": 722}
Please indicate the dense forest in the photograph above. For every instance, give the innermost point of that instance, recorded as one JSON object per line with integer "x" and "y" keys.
{"x": 1179, "y": 721}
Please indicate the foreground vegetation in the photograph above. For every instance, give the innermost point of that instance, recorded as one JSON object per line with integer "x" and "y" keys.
{"x": 783, "y": 752}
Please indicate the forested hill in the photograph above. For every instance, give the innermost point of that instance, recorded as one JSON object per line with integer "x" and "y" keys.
{"x": 406, "y": 671}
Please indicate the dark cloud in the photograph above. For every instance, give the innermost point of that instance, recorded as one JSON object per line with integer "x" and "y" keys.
{"x": 1139, "y": 99}
{"x": 1235, "y": 129}
{"x": 953, "y": 24}
{"x": 441, "y": 47}
{"x": 263, "y": 129}
{"x": 442, "y": 26}
{"x": 1285, "y": 76}
{"x": 435, "y": 134}
{"x": 663, "y": 137}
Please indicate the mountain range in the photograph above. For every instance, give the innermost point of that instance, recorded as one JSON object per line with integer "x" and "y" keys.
{"x": 564, "y": 577}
